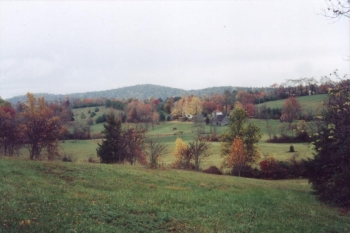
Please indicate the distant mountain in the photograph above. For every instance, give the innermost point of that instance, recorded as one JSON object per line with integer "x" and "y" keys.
{"x": 142, "y": 91}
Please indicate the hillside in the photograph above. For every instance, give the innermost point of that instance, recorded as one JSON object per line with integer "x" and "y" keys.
{"x": 311, "y": 103}
{"x": 70, "y": 197}
{"x": 142, "y": 91}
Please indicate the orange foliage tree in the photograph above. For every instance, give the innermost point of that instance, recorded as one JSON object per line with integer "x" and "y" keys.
{"x": 290, "y": 109}
{"x": 237, "y": 159}
{"x": 41, "y": 127}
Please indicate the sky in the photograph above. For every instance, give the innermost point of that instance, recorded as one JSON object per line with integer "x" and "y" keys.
{"x": 63, "y": 47}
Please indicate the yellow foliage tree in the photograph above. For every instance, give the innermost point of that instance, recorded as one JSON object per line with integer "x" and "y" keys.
{"x": 180, "y": 146}
{"x": 193, "y": 105}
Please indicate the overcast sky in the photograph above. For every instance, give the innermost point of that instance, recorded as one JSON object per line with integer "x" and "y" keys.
{"x": 63, "y": 47}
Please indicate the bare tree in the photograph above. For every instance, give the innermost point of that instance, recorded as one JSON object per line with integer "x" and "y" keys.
{"x": 336, "y": 9}
{"x": 154, "y": 149}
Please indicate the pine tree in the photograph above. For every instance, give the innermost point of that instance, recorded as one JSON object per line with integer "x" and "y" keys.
{"x": 109, "y": 151}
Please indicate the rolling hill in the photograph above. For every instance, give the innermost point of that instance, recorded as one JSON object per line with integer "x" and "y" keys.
{"x": 142, "y": 91}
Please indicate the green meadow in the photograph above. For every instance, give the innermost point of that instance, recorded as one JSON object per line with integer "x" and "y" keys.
{"x": 165, "y": 133}
{"x": 38, "y": 196}
{"x": 53, "y": 196}
{"x": 310, "y": 103}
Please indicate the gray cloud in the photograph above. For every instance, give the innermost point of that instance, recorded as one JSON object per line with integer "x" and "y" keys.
{"x": 64, "y": 47}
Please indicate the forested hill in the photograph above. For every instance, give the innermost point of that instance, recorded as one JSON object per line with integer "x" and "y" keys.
{"x": 142, "y": 91}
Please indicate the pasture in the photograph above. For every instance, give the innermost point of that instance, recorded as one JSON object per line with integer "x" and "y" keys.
{"x": 38, "y": 196}
{"x": 309, "y": 104}
{"x": 165, "y": 133}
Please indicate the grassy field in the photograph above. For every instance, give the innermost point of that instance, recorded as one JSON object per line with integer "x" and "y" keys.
{"x": 83, "y": 149}
{"x": 165, "y": 133}
{"x": 308, "y": 103}
{"x": 81, "y": 197}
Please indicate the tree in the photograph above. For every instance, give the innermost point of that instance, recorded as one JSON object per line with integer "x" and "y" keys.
{"x": 11, "y": 131}
{"x": 121, "y": 145}
{"x": 198, "y": 124}
{"x": 229, "y": 99}
{"x": 329, "y": 170}
{"x": 133, "y": 145}
{"x": 290, "y": 110}
{"x": 249, "y": 134}
{"x": 237, "y": 159}
{"x": 193, "y": 105}
{"x": 81, "y": 130}
{"x": 41, "y": 127}
{"x": 337, "y": 9}
{"x": 154, "y": 149}
{"x": 179, "y": 147}
{"x": 110, "y": 150}
{"x": 190, "y": 156}
{"x": 199, "y": 150}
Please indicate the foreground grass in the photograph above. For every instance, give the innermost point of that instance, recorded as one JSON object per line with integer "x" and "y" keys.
{"x": 66, "y": 197}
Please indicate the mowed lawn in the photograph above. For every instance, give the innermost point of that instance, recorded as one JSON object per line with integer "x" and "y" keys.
{"x": 38, "y": 196}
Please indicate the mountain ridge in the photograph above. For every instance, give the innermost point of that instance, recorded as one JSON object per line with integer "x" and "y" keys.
{"x": 139, "y": 91}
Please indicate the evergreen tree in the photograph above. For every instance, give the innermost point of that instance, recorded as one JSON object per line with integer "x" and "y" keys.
{"x": 329, "y": 170}
{"x": 109, "y": 151}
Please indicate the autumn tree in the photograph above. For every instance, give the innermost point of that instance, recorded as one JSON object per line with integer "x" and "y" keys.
{"x": 11, "y": 131}
{"x": 81, "y": 130}
{"x": 133, "y": 145}
{"x": 290, "y": 110}
{"x": 329, "y": 170}
{"x": 193, "y": 105}
{"x": 190, "y": 156}
{"x": 209, "y": 106}
{"x": 237, "y": 158}
{"x": 179, "y": 147}
{"x": 199, "y": 150}
{"x": 41, "y": 127}
{"x": 249, "y": 134}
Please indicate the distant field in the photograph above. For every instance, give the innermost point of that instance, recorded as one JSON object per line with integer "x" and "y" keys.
{"x": 308, "y": 103}
{"x": 96, "y": 128}
{"x": 165, "y": 133}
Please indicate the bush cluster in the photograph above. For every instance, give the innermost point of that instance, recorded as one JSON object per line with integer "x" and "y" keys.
{"x": 300, "y": 137}
{"x": 271, "y": 168}
{"x": 213, "y": 170}
{"x": 101, "y": 119}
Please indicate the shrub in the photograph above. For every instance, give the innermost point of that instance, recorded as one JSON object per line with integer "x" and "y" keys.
{"x": 93, "y": 160}
{"x": 213, "y": 170}
{"x": 291, "y": 148}
{"x": 92, "y": 114}
{"x": 97, "y": 109}
{"x": 68, "y": 158}
{"x": 101, "y": 119}
{"x": 274, "y": 169}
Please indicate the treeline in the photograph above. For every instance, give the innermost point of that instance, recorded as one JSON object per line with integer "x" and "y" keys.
{"x": 35, "y": 125}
